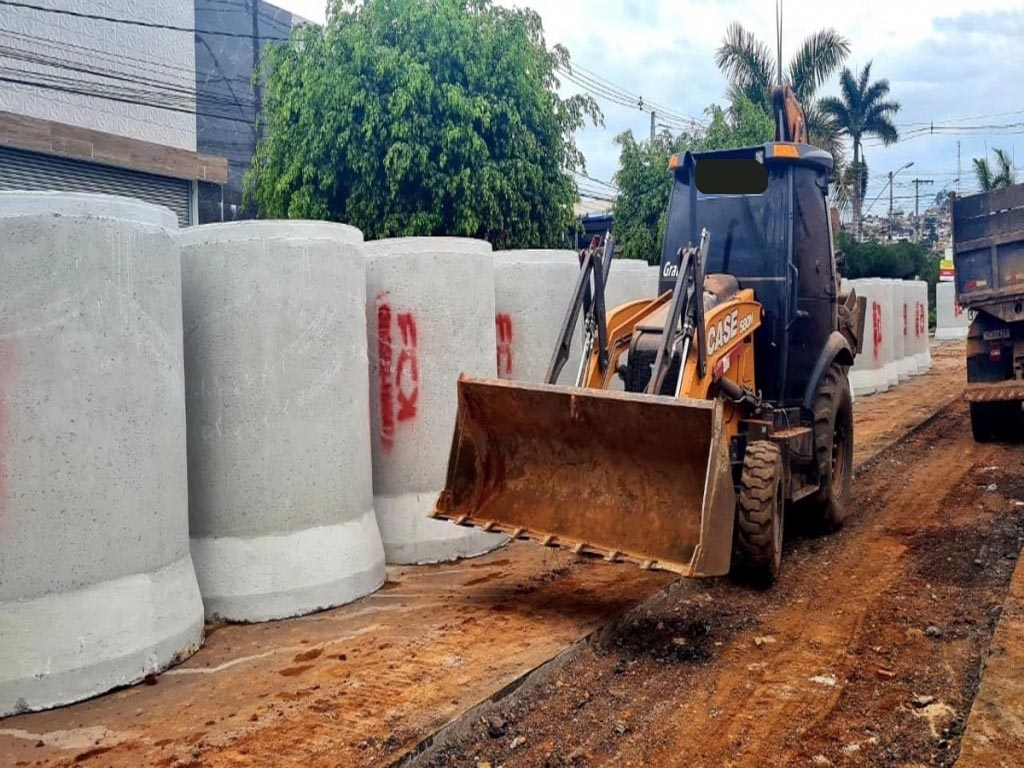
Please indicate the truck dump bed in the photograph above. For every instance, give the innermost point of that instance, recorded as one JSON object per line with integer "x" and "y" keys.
{"x": 988, "y": 249}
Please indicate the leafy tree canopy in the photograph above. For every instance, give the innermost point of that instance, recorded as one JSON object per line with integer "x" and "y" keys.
{"x": 645, "y": 182}
{"x": 902, "y": 261}
{"x": 421, "y": 117}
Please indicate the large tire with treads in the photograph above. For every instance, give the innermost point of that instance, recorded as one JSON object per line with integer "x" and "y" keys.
{"x": 833, "y": 448}
{"x": 759, "y": 512}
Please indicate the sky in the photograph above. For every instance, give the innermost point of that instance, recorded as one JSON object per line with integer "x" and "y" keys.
{"x": 954, "y": 65}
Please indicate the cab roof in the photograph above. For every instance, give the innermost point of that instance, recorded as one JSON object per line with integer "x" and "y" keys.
{"x": 777, "y": 151}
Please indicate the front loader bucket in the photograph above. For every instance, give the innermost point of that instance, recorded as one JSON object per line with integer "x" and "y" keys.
{"x": 635, "y": 477}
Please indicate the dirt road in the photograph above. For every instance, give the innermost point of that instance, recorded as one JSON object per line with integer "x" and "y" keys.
{"x": 369, "y": 683}
{"x": 867, "y": 652}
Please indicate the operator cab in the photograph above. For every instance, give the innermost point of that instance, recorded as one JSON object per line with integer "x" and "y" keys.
{"x": 766, "y": 212}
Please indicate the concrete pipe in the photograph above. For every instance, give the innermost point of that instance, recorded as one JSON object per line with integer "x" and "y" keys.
{"x": 532, "y": 292}
{"x": 281, "y": 502}
{"x": 868, "y": 375}
{"x": 430, "y": 309}
{"x": 889, "y": 331}
{"x": 951, "y": 320}
{"x": 97, "y": 587}
{"x": 920, "y": 347}
{"x": 906, "y": 365}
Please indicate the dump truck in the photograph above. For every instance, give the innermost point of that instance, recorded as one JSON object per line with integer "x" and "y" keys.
{"x": 735, "y": 408}
{"x": 988, "y": 264}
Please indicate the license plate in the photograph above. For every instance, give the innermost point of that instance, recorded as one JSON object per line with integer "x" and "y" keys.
{"x": 1001, "y": 333}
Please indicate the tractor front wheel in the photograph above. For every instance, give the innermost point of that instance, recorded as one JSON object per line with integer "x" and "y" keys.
{"x": 759, "y": 512}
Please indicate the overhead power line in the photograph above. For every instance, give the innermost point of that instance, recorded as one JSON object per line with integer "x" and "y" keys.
{"x": 116, "y": 20}
{"x": 599, "y": 87}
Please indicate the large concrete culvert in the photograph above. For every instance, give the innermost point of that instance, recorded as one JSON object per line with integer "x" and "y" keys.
{"x": 430, "y": 315}
{"x": 97, "y": 587}
{"x": 281, "y": 499}
{"x": 532, "y": 292}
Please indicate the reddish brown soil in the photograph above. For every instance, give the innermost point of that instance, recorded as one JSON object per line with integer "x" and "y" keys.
{"x": 364, "y": 684}
{"x": 867, "y": 652}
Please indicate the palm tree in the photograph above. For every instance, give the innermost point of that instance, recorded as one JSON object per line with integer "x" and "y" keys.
{"x": 752, "y": 69}
{"x": 988, "y": 180}
{"x": 862, "y": 109}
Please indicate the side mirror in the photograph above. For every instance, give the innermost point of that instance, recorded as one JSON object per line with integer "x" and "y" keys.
{"x": 840, "y": 258}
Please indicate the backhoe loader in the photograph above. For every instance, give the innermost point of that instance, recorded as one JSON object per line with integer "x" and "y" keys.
{"x": 736, "y": 409}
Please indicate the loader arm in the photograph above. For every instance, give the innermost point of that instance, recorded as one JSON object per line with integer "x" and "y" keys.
{"x": 588, "y": 297}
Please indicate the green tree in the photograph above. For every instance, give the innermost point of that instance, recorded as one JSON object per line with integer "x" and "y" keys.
{"x": 989, "y": 179}
{"x": 863, "y": 109}
{"x": 645, "y": 182}
{"x": 421, "y": 117}
{"x": 744, "y": 124}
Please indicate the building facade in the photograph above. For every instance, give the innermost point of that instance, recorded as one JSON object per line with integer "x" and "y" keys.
{"x": 101, "y": 97}
{"x": 230, "y": 37}
{"x": 151, "y": 99}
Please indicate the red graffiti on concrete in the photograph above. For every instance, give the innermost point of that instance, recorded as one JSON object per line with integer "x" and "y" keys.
{"x": 384, "y": 375}
{"x": 399, "y": 380}
{"x": 503, "y": 327}
{"x": 876, "y": 316}
{"x": 905, "y": 325}
{"x": 920, "y": 322}
{"x": 407, "y": 374}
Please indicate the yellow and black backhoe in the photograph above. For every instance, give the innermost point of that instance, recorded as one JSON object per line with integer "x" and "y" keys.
{"x": 736, "y": 408}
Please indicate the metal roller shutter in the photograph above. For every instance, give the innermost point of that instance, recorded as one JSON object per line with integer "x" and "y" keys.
{"x": 20, "y": 170}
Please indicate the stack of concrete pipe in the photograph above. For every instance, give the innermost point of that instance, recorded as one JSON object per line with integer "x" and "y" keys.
{"x": 896, "y": 341}
{"x": 97, "y": 585}
{"x": 951, "y": 320}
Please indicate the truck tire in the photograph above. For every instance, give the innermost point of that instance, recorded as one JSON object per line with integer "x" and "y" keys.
{"x": 833, "y": 448}
{"x": 759, "y": 512}
{"x": 995, "y": 422}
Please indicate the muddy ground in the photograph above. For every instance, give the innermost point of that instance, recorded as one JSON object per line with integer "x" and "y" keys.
{"x": 825, "y": 667}
{"x": 867, "y": 652}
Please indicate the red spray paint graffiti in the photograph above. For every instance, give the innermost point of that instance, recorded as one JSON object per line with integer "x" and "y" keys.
{"x": 920, "y": 322}
{"x": 407, "y": 375}
{"x": 876, "y": 316}
{"x": 398, "y": 380}
{"x": 503, "y": 327}
{"x": 387, "y": 411}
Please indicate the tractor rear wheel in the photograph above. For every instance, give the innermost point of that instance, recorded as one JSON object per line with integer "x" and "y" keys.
{"x": 759, "y": 524}
{"x": 833, "y": 447}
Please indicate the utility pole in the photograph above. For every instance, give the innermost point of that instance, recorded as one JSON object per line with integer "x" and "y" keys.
{"x": 917, "y": 206}
{"x": 890, "y": 204}
{"x": 652, "y": 126}
{"x": 958, "y": 174}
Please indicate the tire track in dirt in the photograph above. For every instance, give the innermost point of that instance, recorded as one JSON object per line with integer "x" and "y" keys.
{"x": 759, "y": 709}
{"x": 820, "y": 669}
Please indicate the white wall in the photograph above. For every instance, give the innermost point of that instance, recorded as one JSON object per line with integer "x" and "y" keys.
{"x": 151, "y": 59}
